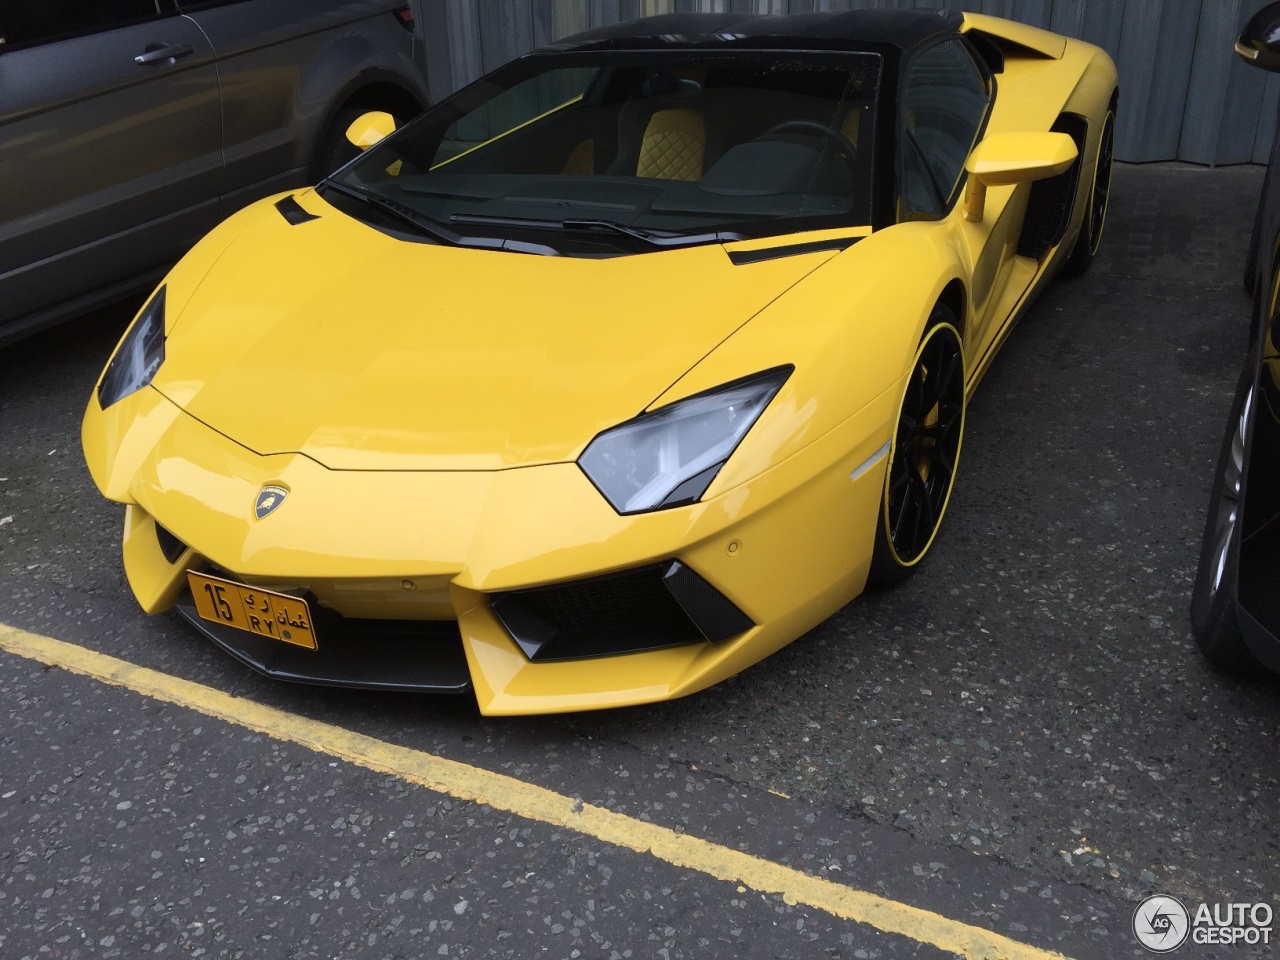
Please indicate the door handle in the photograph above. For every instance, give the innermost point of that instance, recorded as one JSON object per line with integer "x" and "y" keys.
{"x": 160, "y": 53}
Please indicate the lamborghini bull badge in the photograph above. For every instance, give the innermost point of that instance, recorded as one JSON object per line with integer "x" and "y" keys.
{"x": 269, "y": 498}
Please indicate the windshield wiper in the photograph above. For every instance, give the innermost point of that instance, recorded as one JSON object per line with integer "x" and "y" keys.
{"x": 659, "y": 238}
{"x": 655, "y": 238}
{"x": 397, "y": 210}
{"x": 429, "y": 228}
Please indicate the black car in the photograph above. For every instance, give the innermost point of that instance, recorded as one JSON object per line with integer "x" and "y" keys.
{"x": 1235, "y": 605}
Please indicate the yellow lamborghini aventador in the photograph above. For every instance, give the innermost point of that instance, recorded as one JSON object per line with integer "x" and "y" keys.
{"x": 614, "y": 372}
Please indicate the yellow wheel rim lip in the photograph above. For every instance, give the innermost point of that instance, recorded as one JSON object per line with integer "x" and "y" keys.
{"x": 893, "y": 448}
{"x": 1095, "y": 239}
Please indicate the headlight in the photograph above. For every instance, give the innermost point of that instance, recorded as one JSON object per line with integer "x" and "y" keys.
{"x": 668, "y": 457}
{"x": 139, "y": 357}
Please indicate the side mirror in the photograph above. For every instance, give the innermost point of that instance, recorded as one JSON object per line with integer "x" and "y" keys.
{"x": 1006, "y": 158}
{"x": 1259, "y": 44}
{"x": 371, "y": 127}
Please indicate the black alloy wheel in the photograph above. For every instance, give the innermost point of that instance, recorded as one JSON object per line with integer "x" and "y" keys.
{"x": 1213, "y": 602}
{"x": 924, "y": 453}
{"x": 1226, "y": 516}
{"x": 1102, "y": 184}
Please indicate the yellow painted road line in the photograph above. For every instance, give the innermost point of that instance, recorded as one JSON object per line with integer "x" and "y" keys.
{"x": 464, "y": 782}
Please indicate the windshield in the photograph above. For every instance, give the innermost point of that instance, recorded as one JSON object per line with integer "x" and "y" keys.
{"x": 592, "y": 154}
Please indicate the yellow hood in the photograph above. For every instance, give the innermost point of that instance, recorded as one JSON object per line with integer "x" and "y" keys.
{"x": 365, "y": 352}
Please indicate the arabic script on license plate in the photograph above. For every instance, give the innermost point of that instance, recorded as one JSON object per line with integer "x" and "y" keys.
{"x": 276, "y": 616}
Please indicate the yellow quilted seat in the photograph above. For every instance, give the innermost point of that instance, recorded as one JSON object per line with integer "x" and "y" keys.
{"x": 852, "y": 122}
{"x": 582, "y": 161}
{"x": 674, "y": 145}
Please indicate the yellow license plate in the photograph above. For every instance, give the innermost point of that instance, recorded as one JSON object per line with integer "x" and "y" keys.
{"x": 271, "y": 615}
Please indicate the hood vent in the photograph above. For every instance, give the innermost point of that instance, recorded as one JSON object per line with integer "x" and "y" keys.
{"x": 292, "y": 211}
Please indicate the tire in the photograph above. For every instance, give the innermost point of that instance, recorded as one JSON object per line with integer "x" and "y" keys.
{"x": 1213, "y": 602}
{"x": 1090, "y": 236}
{"x": 1251, "y": 258}
{"x": 923, "y": 454}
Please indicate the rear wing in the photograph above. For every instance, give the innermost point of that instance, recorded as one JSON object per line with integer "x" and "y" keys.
{"x": 1015, "y": 39}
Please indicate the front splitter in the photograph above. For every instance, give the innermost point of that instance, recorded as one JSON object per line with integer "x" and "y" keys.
{"x": 416, "y": 656}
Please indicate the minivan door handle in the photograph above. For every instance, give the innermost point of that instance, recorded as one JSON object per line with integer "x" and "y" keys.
{"x": 160, "y": 53}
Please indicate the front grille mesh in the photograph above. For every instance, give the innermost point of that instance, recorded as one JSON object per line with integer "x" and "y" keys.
{"x": 626, "y": 612}
{"x": 625, "y": 597}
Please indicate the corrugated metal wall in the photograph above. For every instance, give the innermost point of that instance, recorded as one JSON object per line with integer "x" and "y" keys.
{"x": 1184, "y": 93}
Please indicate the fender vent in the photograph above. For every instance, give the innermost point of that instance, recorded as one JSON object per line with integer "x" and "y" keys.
{"x": 1049, "y": 209}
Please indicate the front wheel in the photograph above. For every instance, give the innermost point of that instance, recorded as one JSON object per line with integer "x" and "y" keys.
{"x": 1213, "y": 605}
{"x": 923, "y": 454}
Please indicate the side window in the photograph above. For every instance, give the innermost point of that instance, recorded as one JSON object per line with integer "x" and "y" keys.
{"x": 944, "y": 102}
{"x": 921, "y": 196}
{"x": 32, "y": 23}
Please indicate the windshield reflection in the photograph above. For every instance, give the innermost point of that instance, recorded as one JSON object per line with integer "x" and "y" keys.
{"x": 596, "y": 155}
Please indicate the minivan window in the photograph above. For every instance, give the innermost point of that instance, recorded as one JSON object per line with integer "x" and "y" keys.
{"x": 30, "y": 24}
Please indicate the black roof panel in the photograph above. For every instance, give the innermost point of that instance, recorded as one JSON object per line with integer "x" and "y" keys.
{"x": 900, "y": 28}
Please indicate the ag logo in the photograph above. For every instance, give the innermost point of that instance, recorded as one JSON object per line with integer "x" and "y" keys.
{"x": 1161, "y": 924}
{"x": 269, "y": 498}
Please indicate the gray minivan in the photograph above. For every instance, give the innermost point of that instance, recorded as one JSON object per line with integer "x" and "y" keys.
{"x": 129, "y": 128}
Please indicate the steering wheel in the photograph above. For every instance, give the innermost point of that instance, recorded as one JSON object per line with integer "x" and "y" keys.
{"x": 844, "y": 146}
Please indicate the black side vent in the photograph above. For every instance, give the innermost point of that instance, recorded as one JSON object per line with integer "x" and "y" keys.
{"x": 292, "y": 211}
{"x": 170, "y": 546}
{"x": 1049, "y": 209}
{"x": 663, "y": 605}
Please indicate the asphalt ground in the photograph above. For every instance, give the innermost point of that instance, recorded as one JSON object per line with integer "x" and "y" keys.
{"x": 1022, "y": 738}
